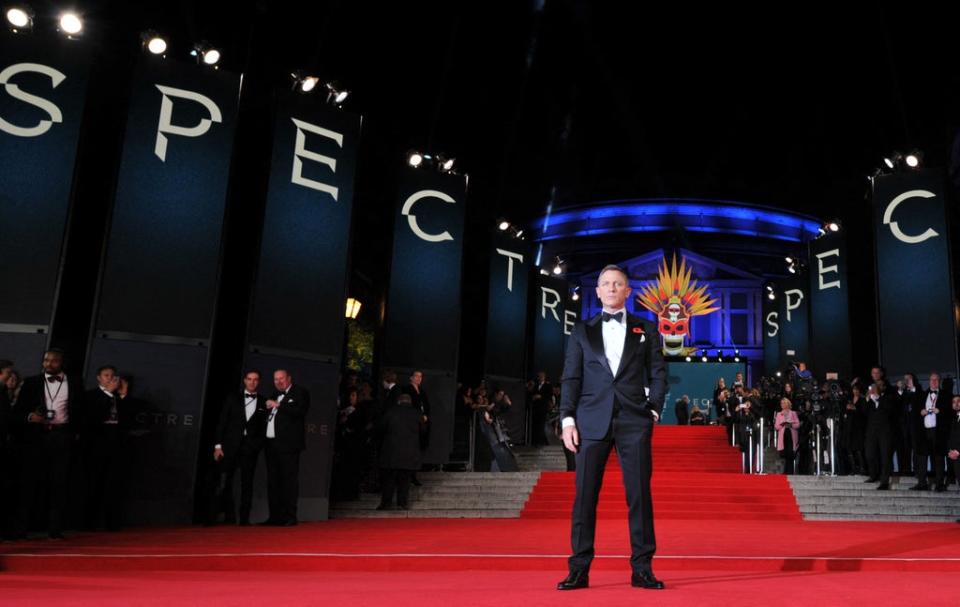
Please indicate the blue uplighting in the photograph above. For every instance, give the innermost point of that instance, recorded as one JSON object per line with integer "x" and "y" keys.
{"x": 649, "y": 216}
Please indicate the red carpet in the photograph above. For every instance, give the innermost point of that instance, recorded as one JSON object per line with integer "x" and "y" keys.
{"x": 723, "y": 538}
{"x": 715, "y": 490}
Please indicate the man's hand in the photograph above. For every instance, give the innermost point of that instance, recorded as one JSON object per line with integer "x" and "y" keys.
{"x": 571, "y": 438}
{"x": 954, "y": 454}
{"x": 217, "y": 454}
{"x": 35, "y": 418}
{"x": 272, "y": 404}
{"x": 123, "y": 388}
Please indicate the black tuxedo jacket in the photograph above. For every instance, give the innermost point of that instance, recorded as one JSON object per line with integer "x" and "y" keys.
{"x": 96, "y": 410}
{"x": 590, "y": 385}
{"x": 419, "y": 399}
{"x": 32, "y": 399}
{"x": 290, "y": 421}
{"x": 880, "y": 418}
{"x": 233, "y": 421}
{"x": 954, "y": 442}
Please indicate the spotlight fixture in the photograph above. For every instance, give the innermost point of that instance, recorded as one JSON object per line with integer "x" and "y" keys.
{"x": 833, "y": 226}
{"x": 447, "y": 164}
{"x": 703, "y": 358}
{"x": 544, "y": 272}
{"x": 153, "y": 42}
{"x": 688, "y": 359}
{"x": 576, "y": 294}
{"x": 792, "y": 269}
{"x": 304, "y": 83}
{"x": 821, "y": 231}
{"x": 558, "y": 267}
{"x": 779, "y": 374}
{"x": 788, "y": 259}
{"x": 336, "y": 95}
{"x": 736, "y": 352}
{"x": 912, "y": 159}
{"x": 19, "y": 18}
{"x": 414, "y": 159}
{"x": 504, "y": 225}
{"x": 889, "y": 162}
{"x": 736, "y": 359}
{"x": 205, "y": 54}
{"x": 519, "y": 233}
{"x": 71, "y": 24}
{"x": 771, "y": 296}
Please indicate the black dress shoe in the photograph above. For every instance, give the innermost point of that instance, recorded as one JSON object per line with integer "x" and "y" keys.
{"x": 871, "y": 480}
{"x": 919, "y": 487}
{"x": 883, "y": 487}
{"x": 574, "y": 581}
{"x": 646, "y": 579}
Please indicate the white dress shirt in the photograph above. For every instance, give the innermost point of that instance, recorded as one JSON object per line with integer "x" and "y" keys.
{"x": 56, "y": 395}
{"x": 614, "y": 338}
{"x": 272, "y": 420}
{"x": 930, "y": 420}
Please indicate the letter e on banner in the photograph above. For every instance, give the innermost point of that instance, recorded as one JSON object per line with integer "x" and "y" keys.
{"x": 822, "y": 269}
{"x": 301, "y": 151}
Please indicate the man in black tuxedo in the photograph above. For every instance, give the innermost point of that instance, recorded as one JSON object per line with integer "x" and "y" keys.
{"x": 239, "y": 439}
{"x": 107, "y": 418}
{"x": 614, "y": 384}
{"x": 953, "y": 444}
{"x": 285, "y": 439}
{"x": 47, "y": 411}
{"x": 878, "y": 447}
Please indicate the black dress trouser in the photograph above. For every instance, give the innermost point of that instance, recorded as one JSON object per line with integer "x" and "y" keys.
{"x": 631, "y": 432}
{"x": 283, "y": 482}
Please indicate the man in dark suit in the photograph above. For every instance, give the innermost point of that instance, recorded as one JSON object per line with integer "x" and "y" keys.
{"x": 953, "y": 445}
{"x": 878, "y": 447}
{"x": 6, "y": 467}
{"x": 614, "y": 384}
{"x": 47, "y": 413}
{"x": 399, "y": 457}
{"x": 542, "y": 397}
{"x": 107, "y": 418}
{"x": 285, "y": 439}
{"x": 239, "y": 439}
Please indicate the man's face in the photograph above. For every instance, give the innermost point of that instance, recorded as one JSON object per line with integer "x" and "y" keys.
{"x": 417, "y": 378}
{"x": 105, "y": 378}
{"x": 956, "y": 403}
{"x": 934, "y": 381}
{"x": 52, "y": 363}
{"x": 5, "y": 375}
{"x": 541, "y": 377}
{"x": 612, "y": 289}
{"x": 498, "y": 395}
{"x": 251, "y": 381}
{"x": 875, "y": 374}
{"x": 11, "y": 381}
{"x": 281, "y": 380}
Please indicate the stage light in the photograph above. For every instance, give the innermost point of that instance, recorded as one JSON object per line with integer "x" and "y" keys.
{"x": 792, "y": 269}
{"x": 779, "y": 374}
{"x": 353, "y": 308}
{"x": 889, "y": 162}
{"x": 447, "y": 165}
{"x": 308, "y": 83}
{"x": 335, "y": 94}
{"x": 414, "y": 159}
{"x": 575, "y": 296}
{"x": 154, "y": 42}
{"x": 703, "y": 358}
{"x": 912, "y": 159}
{"x": 688, "y": 359}
{"x": 544, "y": 272}
{"x": 519, "y": 233}
{"x": 736, "y": 359}
{"x": 833, "y": 226}
{"x": 736, "y": 352}
{"x": 821, "y": 232}
{"x": 19, "y": 18}
{"x": 70, "y": 23}
{"x": 771, "y": 296}
{"x": 557, "y": 268}
{"x": 789, "y": 259}
{"x": 504, "y": 225}
{"x": 205, "y": 53}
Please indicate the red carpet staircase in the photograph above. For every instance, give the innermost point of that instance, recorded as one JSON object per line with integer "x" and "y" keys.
{"x": 696, "y": 476}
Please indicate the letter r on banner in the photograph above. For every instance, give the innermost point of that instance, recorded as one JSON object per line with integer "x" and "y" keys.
{"x": 166, "y": 115}
{"x": 544, "y": 304}
{"x": 301, "y": 151}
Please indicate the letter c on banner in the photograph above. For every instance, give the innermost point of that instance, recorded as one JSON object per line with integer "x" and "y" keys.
{"x": 14, "y": 91}
{"x": 412, "y": 219}
{"x": 166, "y": 114}
{"x": 895, "y": 229}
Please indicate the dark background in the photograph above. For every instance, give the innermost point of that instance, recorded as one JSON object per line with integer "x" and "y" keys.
{"x": 571, "y": 100}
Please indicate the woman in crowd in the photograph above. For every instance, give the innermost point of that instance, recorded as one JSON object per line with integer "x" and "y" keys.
{"x": 787, "y": 423}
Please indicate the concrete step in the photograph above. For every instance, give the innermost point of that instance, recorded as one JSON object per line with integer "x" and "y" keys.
{"x": 880, "y": 518}
{"x": 415, "y": 513}
{"x": 440, "y": 504}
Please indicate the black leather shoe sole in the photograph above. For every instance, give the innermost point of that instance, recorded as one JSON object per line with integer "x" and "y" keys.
{"x": 647, "y": 584}
{"x": 573, "y": 582}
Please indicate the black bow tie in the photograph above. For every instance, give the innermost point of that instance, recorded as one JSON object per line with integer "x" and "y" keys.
{"x": 617, "y": 316}
{"x": 248, "y": 395}
{"x": 54, "y": 378}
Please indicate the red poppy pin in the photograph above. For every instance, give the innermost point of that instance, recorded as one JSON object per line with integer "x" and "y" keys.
{"x": 638, "y": 330}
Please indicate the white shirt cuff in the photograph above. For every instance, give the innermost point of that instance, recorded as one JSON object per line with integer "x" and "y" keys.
{"x": 656, "y": 416}
{"x": 568, "y": 421}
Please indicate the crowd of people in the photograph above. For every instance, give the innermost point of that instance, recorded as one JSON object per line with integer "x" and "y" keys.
{"x": 880, "y": 429}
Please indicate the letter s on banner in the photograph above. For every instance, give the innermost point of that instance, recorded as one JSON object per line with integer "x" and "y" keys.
{"x": 14, "y": 91}
{"x": 412, "y": 219}
{"x": 166, "y": 114}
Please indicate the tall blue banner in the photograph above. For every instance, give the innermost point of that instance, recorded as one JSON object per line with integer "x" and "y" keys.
{"x": 158, "y": 285}
{"x": 297, "y": 319}
{"x": 915, "y": 296}
{"x": 422, "y": 329}
{"x": 794, "y": 319}
{"x": 43, "y": 85}
{"x": 549, "y": 304}
{"x": 506, "y": 345}
{"x": 830, "y": 343}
